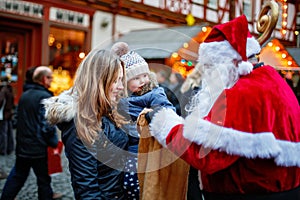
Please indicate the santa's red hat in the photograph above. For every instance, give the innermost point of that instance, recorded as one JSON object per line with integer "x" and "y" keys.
{"x": 233, "y": 35}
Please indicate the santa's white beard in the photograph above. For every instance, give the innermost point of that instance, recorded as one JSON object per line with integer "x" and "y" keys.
{"x": 215, "y": 78}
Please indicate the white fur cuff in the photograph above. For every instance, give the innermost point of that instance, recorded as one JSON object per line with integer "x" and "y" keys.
{"x": 289, "y": 155}
{"x": 162, "y": 123}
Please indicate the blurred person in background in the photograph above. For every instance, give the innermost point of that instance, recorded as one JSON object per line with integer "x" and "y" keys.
{"x": 6, "y": 113}
{"x": 33, "y": 136}
{"x": 175, "y": 82}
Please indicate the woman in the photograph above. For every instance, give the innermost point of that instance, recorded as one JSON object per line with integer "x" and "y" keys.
{"x": 94, "y": 144}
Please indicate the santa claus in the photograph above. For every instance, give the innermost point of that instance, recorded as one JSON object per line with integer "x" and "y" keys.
{"x": 243, "y": 129}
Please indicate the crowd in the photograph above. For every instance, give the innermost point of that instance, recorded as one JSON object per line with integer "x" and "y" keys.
{"x": 232, "y": 126}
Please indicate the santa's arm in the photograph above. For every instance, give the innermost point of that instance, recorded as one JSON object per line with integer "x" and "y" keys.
{"x": 207, "y": 146}
{"x": 205, "y": 159}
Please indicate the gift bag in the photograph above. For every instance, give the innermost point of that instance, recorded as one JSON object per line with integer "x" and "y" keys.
{"x": 54, "y": 159}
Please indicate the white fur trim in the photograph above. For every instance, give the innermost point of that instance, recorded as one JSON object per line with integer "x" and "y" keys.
{"x": 289, "y": 155}
{"x": 253, "y": 47}
{"x": 60, "y": 108}
{"x": 245, "y": 68}
{"x": 233, "y": 142}
{"x": 162, "y": 123}
{"x": 216, "y": 52}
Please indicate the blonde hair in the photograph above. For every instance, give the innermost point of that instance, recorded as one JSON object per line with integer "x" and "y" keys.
{"x": 94, "y": 77}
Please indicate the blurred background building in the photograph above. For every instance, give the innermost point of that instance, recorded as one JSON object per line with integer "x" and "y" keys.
{"x": 167, "y": 33}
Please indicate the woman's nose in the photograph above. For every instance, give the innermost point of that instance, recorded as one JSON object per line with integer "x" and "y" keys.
{"x": 120, "y": 86}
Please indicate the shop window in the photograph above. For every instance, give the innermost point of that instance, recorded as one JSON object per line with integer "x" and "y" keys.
{"x": 66, "y": 53}
{"x": 213, "y": 4}
{"x": 201, "y": 2}
{"x": 9, "y": 58}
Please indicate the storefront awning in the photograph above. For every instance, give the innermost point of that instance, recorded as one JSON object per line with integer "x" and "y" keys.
{"x": 295, "y": 53}
{"x": 275, "y": 54}
{"x": 159, "y": 43}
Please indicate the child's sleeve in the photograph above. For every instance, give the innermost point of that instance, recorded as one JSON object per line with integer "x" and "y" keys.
{"x": 130, "y": 108}
{"x": 159, "y": 98}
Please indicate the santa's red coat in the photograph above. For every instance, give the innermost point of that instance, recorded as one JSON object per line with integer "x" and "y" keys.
{"x": 259, "y": 151}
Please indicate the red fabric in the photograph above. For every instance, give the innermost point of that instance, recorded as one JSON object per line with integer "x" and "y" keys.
{"x": 54, "y": 159}
{"x": 258, "y": 102}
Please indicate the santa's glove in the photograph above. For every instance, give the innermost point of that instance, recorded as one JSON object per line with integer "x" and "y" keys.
{"x": 149, "y": 115}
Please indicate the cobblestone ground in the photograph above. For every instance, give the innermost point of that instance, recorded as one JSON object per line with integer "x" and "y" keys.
{"x": 61, "y": 182}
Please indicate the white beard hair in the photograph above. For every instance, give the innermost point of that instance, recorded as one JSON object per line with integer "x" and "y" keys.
{"x": 215, "y": 78}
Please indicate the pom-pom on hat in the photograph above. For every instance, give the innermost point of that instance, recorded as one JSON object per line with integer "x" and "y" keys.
{"x": 120, "y": 48}
{"x": 236, "y": 33}
{"x": 134, "y": 63}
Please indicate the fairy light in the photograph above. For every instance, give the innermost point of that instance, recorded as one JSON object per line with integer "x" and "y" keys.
{"x": 51, "y": 40}
{"x": 283, "y": 55}
{"x": 289, "y": 63}
{"x": 81, "y": 55}
{"x": 277, "y": 48}
{"x": 284, "y": 18}
{"x": 174, "y": 55}
{"x": 284, "y": 24}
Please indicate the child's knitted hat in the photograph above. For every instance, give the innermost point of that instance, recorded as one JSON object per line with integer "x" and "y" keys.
{"x": 134, "y": 63}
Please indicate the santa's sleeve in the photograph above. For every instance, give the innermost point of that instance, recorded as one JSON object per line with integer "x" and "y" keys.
{"x": 205, "y": 145}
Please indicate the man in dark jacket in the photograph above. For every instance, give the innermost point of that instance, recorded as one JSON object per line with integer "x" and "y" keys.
{"x": 33, "y": 137}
